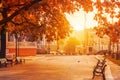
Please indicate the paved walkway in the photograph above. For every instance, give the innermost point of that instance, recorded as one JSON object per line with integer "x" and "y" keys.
{"x": 48, "y": 67}
{"x": 115, "y": 70}
{"x": 112, "y": 70}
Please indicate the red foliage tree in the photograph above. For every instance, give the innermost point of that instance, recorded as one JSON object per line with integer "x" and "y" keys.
{"x": 43, "y": 16}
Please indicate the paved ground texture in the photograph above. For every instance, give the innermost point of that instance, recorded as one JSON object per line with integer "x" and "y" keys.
{"x": 49, "y": 67}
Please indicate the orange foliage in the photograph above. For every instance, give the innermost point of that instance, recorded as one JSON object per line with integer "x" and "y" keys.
{"x": 106, "y": 27}
{"x": 47, "y": 16}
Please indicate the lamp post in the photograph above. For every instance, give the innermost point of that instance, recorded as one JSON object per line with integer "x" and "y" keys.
{"x": 16, "y": 44}
{"x": 85, "y": 36}
{"x": 57, "y": 44}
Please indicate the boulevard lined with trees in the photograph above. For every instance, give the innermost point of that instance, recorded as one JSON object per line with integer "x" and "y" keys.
{"x": 38, "y": 17}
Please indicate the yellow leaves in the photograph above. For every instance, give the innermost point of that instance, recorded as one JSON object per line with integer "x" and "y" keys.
{"x": 71, "y": 44}
{"x": 18, "y": 19}
{"x": 7, "y": 3}
{"x": 106, "y": 16}
{"x": 30, "y": 17}
{"x": 87, "y": 5}
{"x": 50, "y": 14}
{"x": 10, "y": 27}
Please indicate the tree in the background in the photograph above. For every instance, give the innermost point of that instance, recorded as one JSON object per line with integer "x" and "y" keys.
{"x": 107, "y": 15}
{"x": 71, "y": 44}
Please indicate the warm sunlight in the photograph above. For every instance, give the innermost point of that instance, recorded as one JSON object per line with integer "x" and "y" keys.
{"x": 80, "y": 20}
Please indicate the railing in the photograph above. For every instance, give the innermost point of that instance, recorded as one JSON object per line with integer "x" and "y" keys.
{"x": 21, "y": 45}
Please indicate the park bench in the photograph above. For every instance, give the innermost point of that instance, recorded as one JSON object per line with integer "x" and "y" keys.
{"x": 101, "y": 62}
{"x": 20, "y": 60}
{"x": 13, "y": 59}
{"x": 4, "y": 62}
{"x": 99, "y": 69}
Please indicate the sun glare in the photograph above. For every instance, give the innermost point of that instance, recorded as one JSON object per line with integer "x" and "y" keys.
{"x": 81, "y": 20}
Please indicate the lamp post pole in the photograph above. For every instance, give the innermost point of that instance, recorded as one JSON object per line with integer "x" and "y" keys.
{"x": 16, "y": 42}
{"x": 85, "y": 37}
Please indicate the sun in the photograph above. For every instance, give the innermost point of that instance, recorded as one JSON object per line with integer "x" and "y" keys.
{"x": 80, "y": 20}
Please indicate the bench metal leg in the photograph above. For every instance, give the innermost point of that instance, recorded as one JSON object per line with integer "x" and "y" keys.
{"x": 93, "y": 75}
{"x": 103, "y": 76}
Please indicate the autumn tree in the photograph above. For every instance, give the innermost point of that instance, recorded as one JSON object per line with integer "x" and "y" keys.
{"x": 45, "y": 16}
{"x": 19, "y": 15}
{"x": 37, "y": 17}
{"x": 107, "y": 16}
{"x": 71, "y": 44}
{"x": 10, "y": 19}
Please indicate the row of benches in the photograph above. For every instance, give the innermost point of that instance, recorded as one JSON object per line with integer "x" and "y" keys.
{"x": 99, "y": 69}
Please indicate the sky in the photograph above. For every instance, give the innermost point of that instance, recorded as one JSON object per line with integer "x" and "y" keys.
{"x": 79, "y": 20}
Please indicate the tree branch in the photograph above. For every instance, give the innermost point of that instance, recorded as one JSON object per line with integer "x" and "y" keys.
{"x": 27, "y": 21}
{"x": 5, "y": 20}
{"x": 17, "y": 23}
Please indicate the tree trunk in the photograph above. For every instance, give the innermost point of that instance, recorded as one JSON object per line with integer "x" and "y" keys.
{"x": 117, "y": 54}
{"x": 117, "y": 47}
{"x": 109, "y": 47}
{"x": 3, "y": 44}
{"x": 113, "y": 46}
